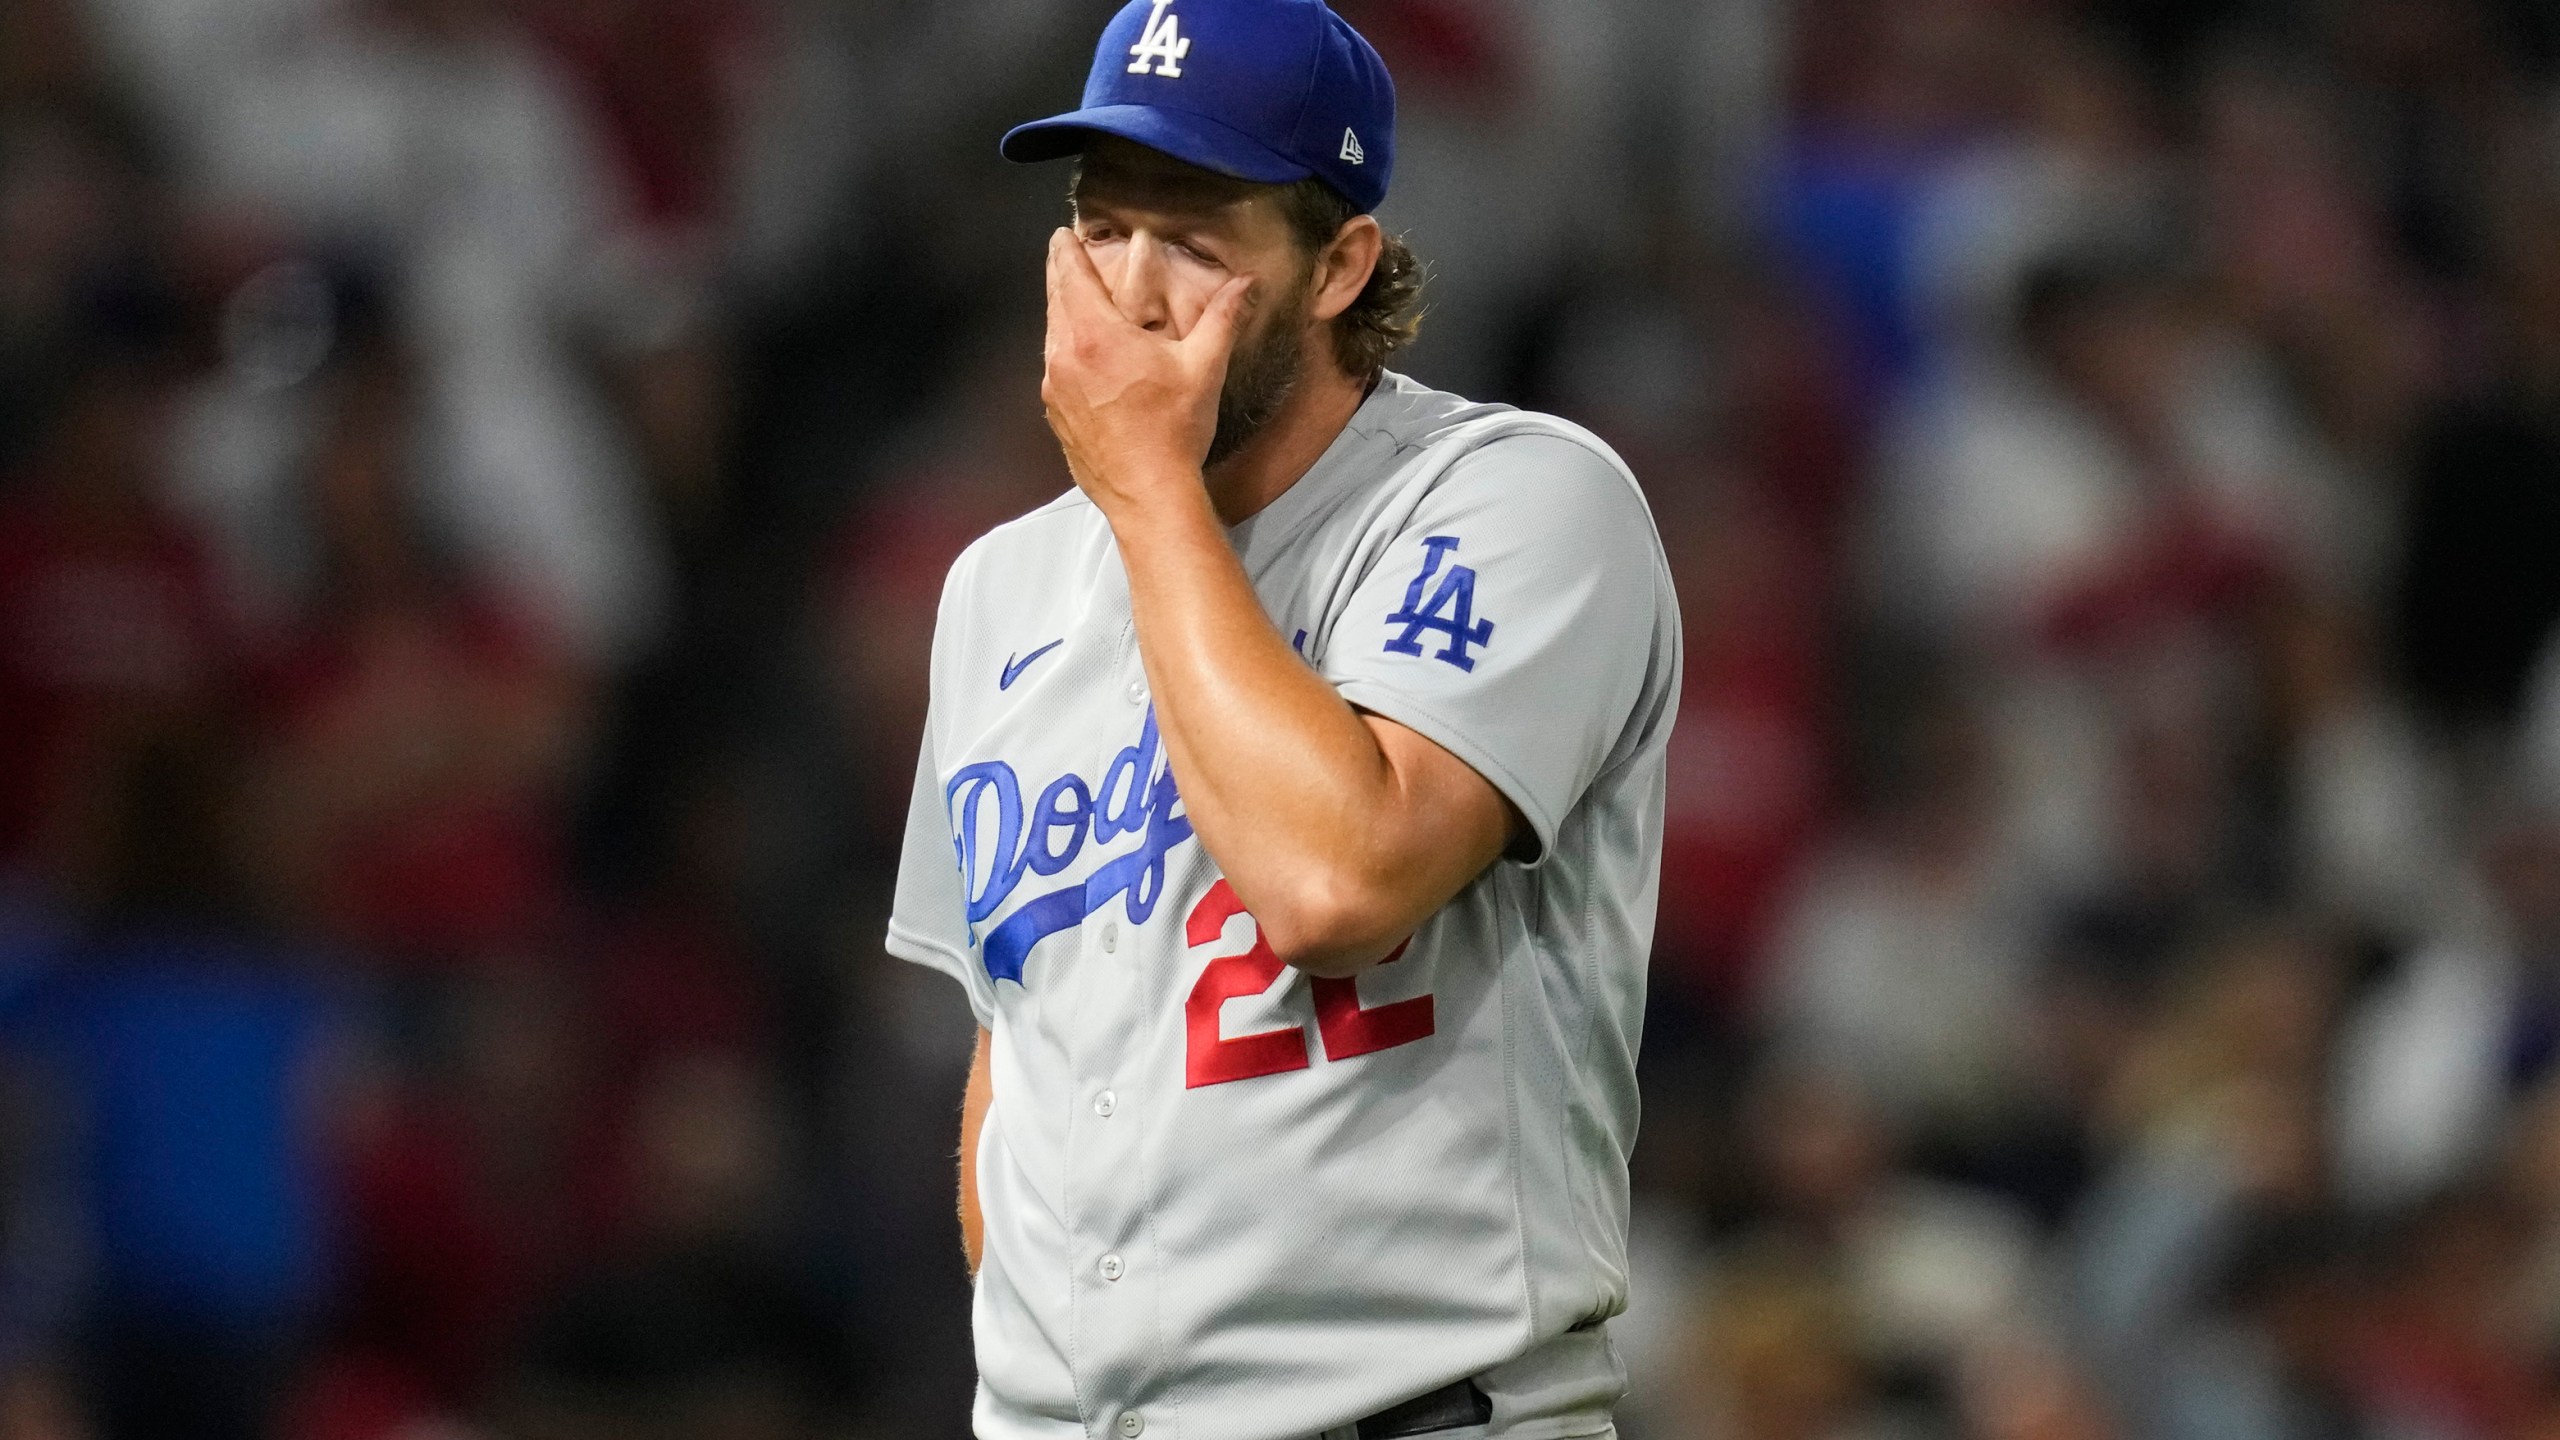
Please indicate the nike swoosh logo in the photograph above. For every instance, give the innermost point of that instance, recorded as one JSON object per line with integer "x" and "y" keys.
{"x": 1013, "y": 668}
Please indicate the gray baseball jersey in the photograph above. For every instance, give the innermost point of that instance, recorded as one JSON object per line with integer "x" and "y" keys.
{"x": 1225, "y": 1200}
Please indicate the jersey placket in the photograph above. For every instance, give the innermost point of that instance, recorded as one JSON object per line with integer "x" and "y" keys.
{"x": 1114, "y": 1272}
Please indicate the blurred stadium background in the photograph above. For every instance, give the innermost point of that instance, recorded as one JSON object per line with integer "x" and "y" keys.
{"x": 475, "y": 477}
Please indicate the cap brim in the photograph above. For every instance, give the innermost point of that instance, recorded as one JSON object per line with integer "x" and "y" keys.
{"x": 1195, "y": 139}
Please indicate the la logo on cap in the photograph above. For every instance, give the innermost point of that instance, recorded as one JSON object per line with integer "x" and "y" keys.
{"x": 1279, "y": 91}
{"x": 1161, "y": 45}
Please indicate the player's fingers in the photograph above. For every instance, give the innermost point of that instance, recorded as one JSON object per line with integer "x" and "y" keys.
{"x": 1078, "y": 284}
{"x": 1062, "y": 242}
{"x": 1077, "y": 299}
{"x": 1061, "y": 313}
{"x": 1215, "y": 335}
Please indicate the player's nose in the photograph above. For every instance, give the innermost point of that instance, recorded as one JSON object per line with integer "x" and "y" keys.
{"x": 1141, "y": 288}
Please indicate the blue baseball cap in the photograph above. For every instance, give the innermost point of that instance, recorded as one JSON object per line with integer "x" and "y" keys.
{"x": 1271, "y": 91}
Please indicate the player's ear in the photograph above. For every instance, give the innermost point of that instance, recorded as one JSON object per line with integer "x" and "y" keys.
{"x": 1343, "y": 269}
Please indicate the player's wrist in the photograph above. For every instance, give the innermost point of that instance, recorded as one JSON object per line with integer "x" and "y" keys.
{"x": 1150, "y": 496}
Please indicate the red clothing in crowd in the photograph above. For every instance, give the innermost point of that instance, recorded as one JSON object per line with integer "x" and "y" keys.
{"x": 103, "y": 618}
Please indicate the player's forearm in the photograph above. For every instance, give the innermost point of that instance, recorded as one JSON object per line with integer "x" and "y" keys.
{"x": 1281, "y": 778}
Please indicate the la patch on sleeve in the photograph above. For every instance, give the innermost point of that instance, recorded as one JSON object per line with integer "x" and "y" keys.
{"x": 1450, "y": 612}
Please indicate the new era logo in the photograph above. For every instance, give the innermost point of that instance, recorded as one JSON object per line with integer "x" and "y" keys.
{"x": 1351, "y": 150}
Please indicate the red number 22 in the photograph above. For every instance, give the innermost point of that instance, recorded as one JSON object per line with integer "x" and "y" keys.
{"x": 1346, "y": 1026}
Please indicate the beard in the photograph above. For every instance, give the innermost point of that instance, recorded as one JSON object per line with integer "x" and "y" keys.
{"x": 1262, "y": 372}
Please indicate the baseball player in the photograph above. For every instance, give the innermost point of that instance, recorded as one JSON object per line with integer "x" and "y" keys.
{"x": 1290, "y": 808}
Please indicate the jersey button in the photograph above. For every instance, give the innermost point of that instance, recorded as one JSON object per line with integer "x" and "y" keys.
{"x": 1137, "y": 692}
{"x": 1105, "y": 1103}
{"x": 1111, "y": 937}
{"x": 1132, "y": 1425}
{"x": 1111, "y": 1267}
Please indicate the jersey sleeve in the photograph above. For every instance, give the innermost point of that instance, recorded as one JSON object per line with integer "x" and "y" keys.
{"x": 1514, "y": 620}
{"x": 928, "y": 920}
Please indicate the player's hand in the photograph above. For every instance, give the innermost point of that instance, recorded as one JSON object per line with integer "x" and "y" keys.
{"x": 1134, "y": 409}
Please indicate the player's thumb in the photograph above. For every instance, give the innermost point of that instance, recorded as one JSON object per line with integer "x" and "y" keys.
{"x": 1215, "y": 336}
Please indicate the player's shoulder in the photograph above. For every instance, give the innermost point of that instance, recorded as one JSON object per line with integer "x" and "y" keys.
{"x": 1026, "y": 543}
{"x": 1413, "y": 416}
{"x": 1536, "y": 470}
{"x": 1471, "y": 442}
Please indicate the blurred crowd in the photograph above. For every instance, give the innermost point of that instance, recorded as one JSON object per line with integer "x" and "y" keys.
{"x": 475, "y": 479}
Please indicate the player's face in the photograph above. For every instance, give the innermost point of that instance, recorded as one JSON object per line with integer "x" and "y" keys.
{"x": 1165, "y": 237}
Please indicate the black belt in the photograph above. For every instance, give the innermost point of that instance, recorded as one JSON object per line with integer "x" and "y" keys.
{"x": 1450, "y": 1407}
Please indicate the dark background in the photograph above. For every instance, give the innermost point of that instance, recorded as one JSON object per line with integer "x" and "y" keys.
{"x": 475, "y": 477}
